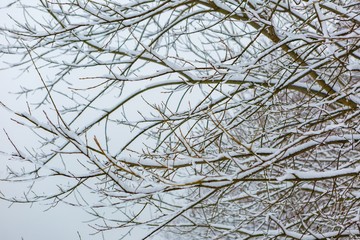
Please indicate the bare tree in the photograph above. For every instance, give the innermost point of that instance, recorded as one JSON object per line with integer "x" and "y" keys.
{"x": 208, "y": 119}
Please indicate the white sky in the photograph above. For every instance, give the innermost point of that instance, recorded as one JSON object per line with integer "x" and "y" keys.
{"x": 23, "y": 221}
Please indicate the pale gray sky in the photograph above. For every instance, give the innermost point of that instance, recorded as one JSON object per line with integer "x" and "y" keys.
{"x": 23, "y": 221}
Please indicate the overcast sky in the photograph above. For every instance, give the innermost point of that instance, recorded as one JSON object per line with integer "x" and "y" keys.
{"x": 23, "y": 221}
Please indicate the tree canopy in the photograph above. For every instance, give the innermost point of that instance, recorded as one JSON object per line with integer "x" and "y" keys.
{"x": 206, "y": 119}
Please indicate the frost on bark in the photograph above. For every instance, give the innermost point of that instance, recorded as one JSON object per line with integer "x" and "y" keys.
{"x": 207, "y": 119}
